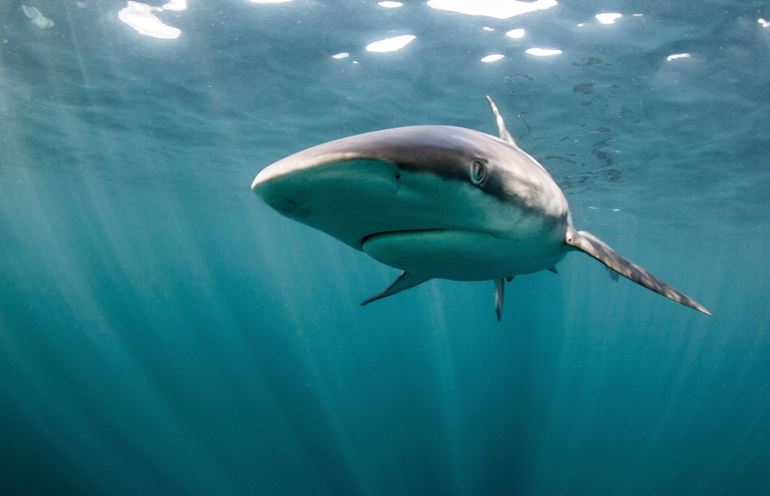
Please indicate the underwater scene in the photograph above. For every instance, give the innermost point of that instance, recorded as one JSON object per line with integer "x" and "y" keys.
{"x": 165, "y": 329}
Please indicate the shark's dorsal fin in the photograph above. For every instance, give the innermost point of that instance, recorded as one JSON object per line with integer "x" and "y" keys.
{"x": 504, "y": 134}
{"x": 404, "y": 281}
{"x": 590, "y": 244}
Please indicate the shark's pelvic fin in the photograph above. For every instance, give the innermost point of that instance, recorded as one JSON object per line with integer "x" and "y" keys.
{"x": 590, "y": 244}
{"x": 504, "y": 134}
{"x": 552, "y": 268}
{"x": 499, "y": 297}
{"x": 404, "y": 281}
{"x": 613, "y": 275}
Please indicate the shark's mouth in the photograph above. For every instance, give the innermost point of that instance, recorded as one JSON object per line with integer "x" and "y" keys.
{"x": 432, "y": 231}
{"x": 397, "y": 232}
{"x": 447, "y": 253}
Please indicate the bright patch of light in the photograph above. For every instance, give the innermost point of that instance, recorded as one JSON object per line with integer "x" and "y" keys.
{"x": 608, "y": 17}
{"x": 543, "y": 52}
{"x": 763, "y": 22}
{"x": 515, "y": 33}
{"x": 487, "y": 28}
{"x": 140, "y": 17}
{"x": 36, "y": 17}
{"x": 493, "y": 58}
{"x": 637, "y": 14}
{"x": 675, "y": 56}
{"x": 390, "y": 5}
{"x": 390, "y": 44}
{"x": 175, "y": 5}
{"x": 499, "y": 9}
{"x": 341, "y": 55}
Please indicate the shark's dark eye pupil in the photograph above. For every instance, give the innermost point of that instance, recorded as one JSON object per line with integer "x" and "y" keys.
{"x": 478, "y": 172}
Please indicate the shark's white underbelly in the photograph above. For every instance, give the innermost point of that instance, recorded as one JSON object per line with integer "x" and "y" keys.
{"x": 467, "y": 255}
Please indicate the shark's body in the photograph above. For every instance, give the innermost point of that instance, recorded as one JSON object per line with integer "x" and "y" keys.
{"x": 439, "y": 202}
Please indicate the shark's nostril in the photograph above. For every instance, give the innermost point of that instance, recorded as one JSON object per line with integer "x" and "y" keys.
{"x": 295, "y": 208}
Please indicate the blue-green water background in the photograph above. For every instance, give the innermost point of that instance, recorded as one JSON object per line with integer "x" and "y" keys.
{"x": 162, "y": 331}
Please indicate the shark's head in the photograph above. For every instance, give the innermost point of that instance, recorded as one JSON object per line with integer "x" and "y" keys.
{"x": 444, "y": 199}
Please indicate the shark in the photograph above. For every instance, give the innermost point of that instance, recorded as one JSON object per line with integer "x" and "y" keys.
{"x": 440, "y": 202}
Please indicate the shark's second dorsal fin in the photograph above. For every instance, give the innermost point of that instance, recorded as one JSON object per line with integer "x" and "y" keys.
{"x": 504, "y": 134}
{"x": 499, "y": 297}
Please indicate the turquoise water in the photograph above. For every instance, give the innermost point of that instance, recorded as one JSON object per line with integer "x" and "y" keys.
{"x": 162, "y": 331}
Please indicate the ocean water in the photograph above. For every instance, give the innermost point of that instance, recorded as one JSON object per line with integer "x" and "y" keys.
{"x": 163, "y": 331}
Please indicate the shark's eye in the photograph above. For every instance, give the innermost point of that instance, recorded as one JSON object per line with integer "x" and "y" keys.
{"x": 478, "y": 172}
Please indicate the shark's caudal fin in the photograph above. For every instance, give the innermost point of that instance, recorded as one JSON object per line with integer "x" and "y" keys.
{"x": 504, "y": 134}
{"x": 588, "y": 243}
{"x": 404, "y": 281}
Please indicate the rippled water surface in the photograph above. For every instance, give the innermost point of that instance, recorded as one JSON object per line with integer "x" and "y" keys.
{"x": 163, "y": 331}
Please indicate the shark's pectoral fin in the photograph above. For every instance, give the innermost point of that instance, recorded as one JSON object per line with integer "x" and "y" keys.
{"x": 552, "y": 268}
{"x": 404, "y": 281}
{"x": 590, "y": 244}
{"x": 499, "y": 297}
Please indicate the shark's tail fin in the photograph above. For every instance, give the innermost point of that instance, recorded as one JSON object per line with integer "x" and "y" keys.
{"x": 590, "y": 244}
